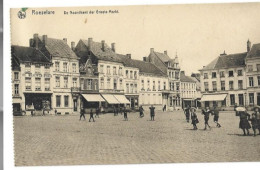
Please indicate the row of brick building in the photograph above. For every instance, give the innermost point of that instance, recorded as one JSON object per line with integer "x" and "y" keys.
{"x": 51, "y": 75}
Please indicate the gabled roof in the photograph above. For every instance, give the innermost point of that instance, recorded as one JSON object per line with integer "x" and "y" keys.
{"x": 162, "y": 56}
{"x": 254, "y": 52}
{"x": 59, "y": 48}
{"x": 107, "y": 54}
{"x": 184, "y": 78}
{"x": 29, "y": 54}
{"x": 227, "y": 61}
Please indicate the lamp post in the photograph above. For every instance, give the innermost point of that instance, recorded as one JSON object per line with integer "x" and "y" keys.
{"x": 245, "y": 98}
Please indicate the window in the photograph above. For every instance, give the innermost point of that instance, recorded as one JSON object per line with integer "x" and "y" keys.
{"x": 38, "y": 84}
{"x": 108, "y": 83}
{"x": 96, "y": 85}
{"x": 251, "y": 81}
{"x": 251, "y": 98}
{"x": 127, "y": 88}
{"x": 57, "y": 81}
{"x": 258, "y": 67}
{"x": 16, "y": 89}
{"x": 114, "y": 70}
{"x": 47, "y": 67}
{"x": 115, "y": 84}
{"x": 74, "y": 82}
{"x": 102, "y": 83}
{"x": 231, "y": 74}
{"x": 47, "y": 84}
{"x": 132, "y": 88}
{"x": 66, "y": 101}
{"x": 232, "y": 99}
{"x": 240, "y": 84}
{"x": 74, "y": 68}
{"x": 121, "y": 84}
{"x": 120, "y": 71}
{"x": 65, "y": 82}
{"x": 164, "y": 85}
{"x": 222, "y": 74}
{"x": 153, "y": 85}
{"x": 16, "y": 75}
{"x": 231, "y": 85}
{"x": 148, "y": 84}
{"x": 57, "y": 66}
{"x": 241, "y": 99}
{"x": 250, "y": 68}
{"x": 28, "y": 83}
{"x": 135, "y": 88}
{"x": 177, "y": 86}
{"x": 27, "y": 68}
{"x": 126, "y": 73}
{"x": 58, "y": 101}
{"x": 89, "y": 84}
{"x": 101, "y": 69}
{"x": 214, "y": 85}
{"x": 239, "y": 73}
{"x": 258, "y": 79}
{"x": 214, "y": 74}
{"x": 108, "y": 69}
{"x": 223, "y": 103}
{"x": 37, "y": 68}
{"x": 82, "y": 83}
{"x": 159, "y": 85}
{"x": 135, "y": 75}
{"x": 65, "y": 67}
{"x": 206, "y": 86}
{"x": 177, "y": 75}
{"x": 205, "y": 75}
{"x": 142, "y": 84}
{"x": 215, "y": 103}
{"x": 131, "y": 74}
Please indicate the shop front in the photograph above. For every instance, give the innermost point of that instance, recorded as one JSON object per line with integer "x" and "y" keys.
{"x": 40, "y": 101}
{"x": 91, "y": 101}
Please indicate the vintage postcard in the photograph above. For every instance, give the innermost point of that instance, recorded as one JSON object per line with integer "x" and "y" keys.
{"x": 136, "y": 84}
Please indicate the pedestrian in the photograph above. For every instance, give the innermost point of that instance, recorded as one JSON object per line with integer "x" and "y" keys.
{"x": 82, "y": 114}
{"x": 55, "y": 111}
{"x": 120, "y": 110}
{"x": 254, "y": 122}
{"x": 206, "y": 114}
{"x": 114, "y": 110}
{"x": 32, "y": 114}
{"x": 194, "y": 118}
{"x": 187, "y": 113}
{"x": 117, "y": 110}
{"x": 91, "y": 116}
{"x": 216, "y": 116}
{"x": 141, "y": 110}
{"x": 97, "y": 112}
{"x": 257, "y": 112}
{"x": 152, "y": 113}
{"x": 164, "y": 108}
{"x": 244, "y": 124}
{"x": 125, "y": 114}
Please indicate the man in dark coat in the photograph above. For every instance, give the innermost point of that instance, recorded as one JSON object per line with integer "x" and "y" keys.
{"x": 216, "y": 116}
{"x": 91, "y": 116}
{"x": 152, "y": 112}
{"x": 141, "y": 110}
{"x": 82, "y": 114}
{"x": 125, "y": 114}
{"x": 97, "y": 112}
{"x": 206, "y": 114}
{"x": 244, "y": 124}
{"x": 187, "y": 113}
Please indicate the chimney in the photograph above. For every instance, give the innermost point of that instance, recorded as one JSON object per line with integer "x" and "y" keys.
{"x": 65, "y": 40}
{"x": 73, "y": 45}
{"x": 36, "y": 41}
{"x": 144, "y": 59}
{"x": 103, "y": 45}
{"x": 224, "y": 53}
{"x": 90, "y": 43}
{"x": 128, "y": 56}
{"x": 248, "y": 45}
{"x": 44, "y": 39}
{"x": 151, "y": 50}
{"x": 31, "y": 42}
{"x": 113, "y": 47}
{"x": 165, "y": 52}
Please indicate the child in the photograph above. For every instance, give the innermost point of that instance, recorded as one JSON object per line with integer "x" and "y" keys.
{"x": 194, "y": 118}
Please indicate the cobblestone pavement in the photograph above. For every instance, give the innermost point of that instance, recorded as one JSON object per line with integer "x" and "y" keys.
{"x": 64, "y": 140}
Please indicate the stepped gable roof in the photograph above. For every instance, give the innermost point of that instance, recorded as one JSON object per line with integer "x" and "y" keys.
{"x": 254, "y": 52}
{"x": 184, "y": 78}
{"x": 227, "y": 61}
{"x": 107, "y": 54}
{"x": 58, "y": 48}
{"x": 29, "y": 54}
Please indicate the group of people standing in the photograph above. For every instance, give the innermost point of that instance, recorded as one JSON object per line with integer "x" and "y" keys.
{"x": 245, "y": 117}
{"x": 190, "y": 113}
{"x": 91, "y": 115}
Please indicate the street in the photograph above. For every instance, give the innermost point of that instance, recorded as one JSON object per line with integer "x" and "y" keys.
{"x": 64, "y": 140}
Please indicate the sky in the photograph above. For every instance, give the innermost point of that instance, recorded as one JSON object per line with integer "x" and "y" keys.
{"x": 197, "y": 33}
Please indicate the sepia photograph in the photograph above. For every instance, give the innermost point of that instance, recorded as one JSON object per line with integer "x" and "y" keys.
{"x": 140, "y": 84}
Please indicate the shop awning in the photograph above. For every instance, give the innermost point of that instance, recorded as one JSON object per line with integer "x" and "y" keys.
{"x": 213, "y": 97}
{"x": 93, "y": 97}
{"x": 110, "y": 99}
{"x": 122, "y": 99}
